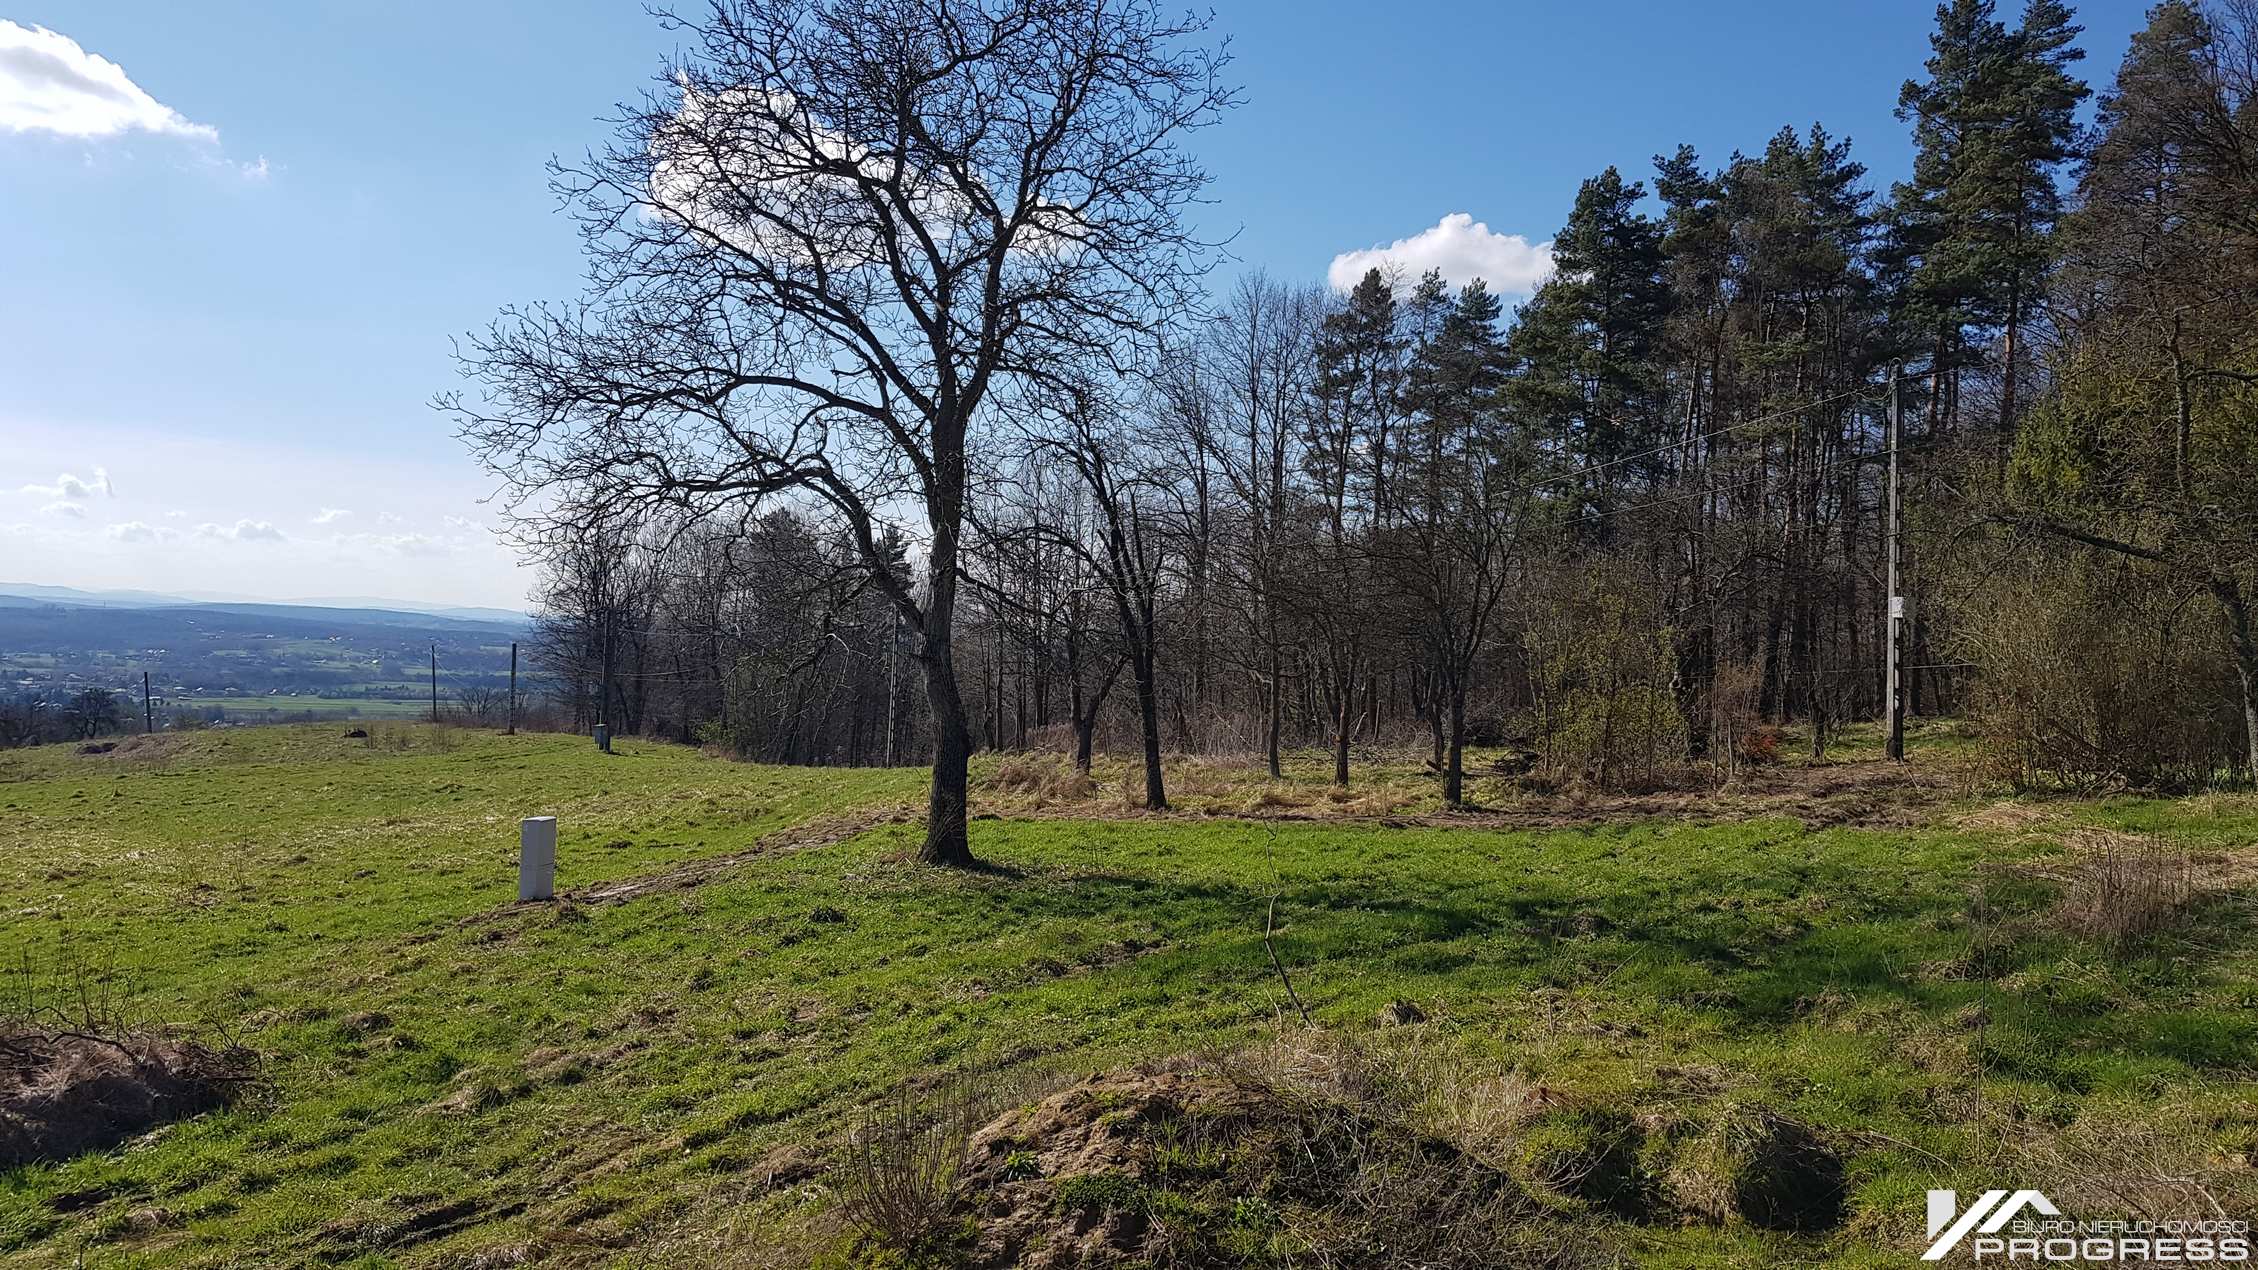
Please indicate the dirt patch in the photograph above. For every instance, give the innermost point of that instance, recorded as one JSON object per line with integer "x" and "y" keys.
{"x": 145, "y": 747}
{"x": 1095, "y": 1130}
{"x": 787, "y": 1165}
{"x": 2006, "y": 816}
{"x": 406, "y": 1222}
{"x": 1735, "y": 1163}
{"x": 63, "y": 1094}
{"x": 1193, "y": 1164}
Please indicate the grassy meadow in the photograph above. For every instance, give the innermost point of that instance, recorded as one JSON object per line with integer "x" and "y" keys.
{"x": 282, "y": 706}
{"x": 450, "y": 1079}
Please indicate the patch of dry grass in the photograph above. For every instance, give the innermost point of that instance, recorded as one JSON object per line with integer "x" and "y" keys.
{"x": 2123, "y": 888}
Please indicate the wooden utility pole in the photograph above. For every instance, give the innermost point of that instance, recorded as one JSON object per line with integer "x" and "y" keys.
{"x": 511, "y": 730}
{"x": 1893, "y": 683}
{"x": 435, "y": 683}
{"x": 148, "y": 716}
{"x": 604, "y": 705}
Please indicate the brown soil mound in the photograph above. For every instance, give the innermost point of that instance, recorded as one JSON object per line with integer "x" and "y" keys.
{"x": 62, "y": 1094}
{"x": 1094, "y": 1130}
{"x": 1179, "y": 1166}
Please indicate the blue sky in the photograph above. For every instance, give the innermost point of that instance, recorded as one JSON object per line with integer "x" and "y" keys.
{"x": 227, "y": 294}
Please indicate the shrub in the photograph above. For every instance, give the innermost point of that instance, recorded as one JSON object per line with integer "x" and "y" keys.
{"x": 2094, "y": 674}
{"x": 897, "y": 1183}
{"x": 2125, "y": 889}
{"x": 1604, "y": 669}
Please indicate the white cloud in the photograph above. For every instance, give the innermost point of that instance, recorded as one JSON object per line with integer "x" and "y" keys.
{"x": 258, "y": 171}
{"x": 64, "y": 509}
{"x": 50, "y": 84}
{"x": 71, "y": 487}
{"x": 407, "y": 544}
{"x": 331, "y": 515}
{"x": 241, "y": 531}
{"x": 415, "y": 545}
{"x": 137, "y": 531}
{"x": 1462, "y": 248}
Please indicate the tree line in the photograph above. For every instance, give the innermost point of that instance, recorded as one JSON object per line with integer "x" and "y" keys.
{"x": 905, "y": 414}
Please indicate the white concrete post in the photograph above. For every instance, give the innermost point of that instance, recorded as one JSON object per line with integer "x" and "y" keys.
{"x": 537, "y": 858}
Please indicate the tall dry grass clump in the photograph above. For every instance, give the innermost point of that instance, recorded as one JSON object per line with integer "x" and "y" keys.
{"x": 2124, "y": 888}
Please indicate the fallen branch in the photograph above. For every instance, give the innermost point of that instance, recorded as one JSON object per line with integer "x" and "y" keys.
{"x": 1270, "y": 919}
{"x": 1270, "y": 924}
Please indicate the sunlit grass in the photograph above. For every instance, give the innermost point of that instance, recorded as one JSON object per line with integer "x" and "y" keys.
{"x": 451, "y": 1074}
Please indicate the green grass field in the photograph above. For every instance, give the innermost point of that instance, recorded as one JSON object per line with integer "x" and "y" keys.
{"x": 282, "y": 708}
{"x": 451, "y": 1079}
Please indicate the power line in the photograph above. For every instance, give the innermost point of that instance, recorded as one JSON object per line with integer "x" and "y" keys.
{"x": 1743, "y": 482}
{"x": 1684, "y": 442}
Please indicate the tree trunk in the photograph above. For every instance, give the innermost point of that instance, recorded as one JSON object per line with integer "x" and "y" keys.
{"x": 1148, "y": 723}
{"x": 1434, "y": 710}
{"x": 1084, "y": 727}
{"x": 1344, "y": 710}
{"x": 1454, "y": 776}
{"x": 2007, "y": 369}
{"x": 2237, "y": 614}
{"x": 946, "y": 842}
{"x": 1275, "y": 724}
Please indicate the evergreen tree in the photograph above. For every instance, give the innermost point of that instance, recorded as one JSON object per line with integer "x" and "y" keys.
{"x": 1992, "y": 125}
{"x": 2144, "y": 447}
{"x": 1466, "y": 496}
{"x": 1585, "y": 344}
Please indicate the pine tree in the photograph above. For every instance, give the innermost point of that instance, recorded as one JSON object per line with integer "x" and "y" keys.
{"x": 1992, "y": 126}
{"x": 1465, "y": 495}
{"x": 1348, "y": 453}
{"x": 1585, "y": 345}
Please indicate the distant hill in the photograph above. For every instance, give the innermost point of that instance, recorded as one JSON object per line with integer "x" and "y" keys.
{"x": 101, "y": 599}
{"x": 13, "y": 591}
{"x": 197, "y": 651}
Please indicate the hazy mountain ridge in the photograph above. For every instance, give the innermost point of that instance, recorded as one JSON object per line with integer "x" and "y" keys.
{"x": 12, "y": 592}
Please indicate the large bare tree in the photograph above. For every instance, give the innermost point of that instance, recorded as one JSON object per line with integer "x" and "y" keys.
{"x": 838, "y": 241}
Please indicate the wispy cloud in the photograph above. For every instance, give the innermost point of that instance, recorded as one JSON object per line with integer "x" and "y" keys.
{"x": 331, "y": 515}
{"x": 415, "y": 545}
{"x": 241, "y": 531}
{"x": 401, "y": 544}
{"x": 50, "y": 84}
{"x": 75, "y": 511}
{"x": 1462, "y": 248}
{"x": 71, "y": 487}
{"x": 137, "y": 531}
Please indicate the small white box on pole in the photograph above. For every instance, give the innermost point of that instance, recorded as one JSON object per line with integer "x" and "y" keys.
{"x": 537, "y": 858}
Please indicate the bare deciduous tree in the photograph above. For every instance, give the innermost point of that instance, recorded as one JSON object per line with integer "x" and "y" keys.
{"x": 840, "y": 240}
